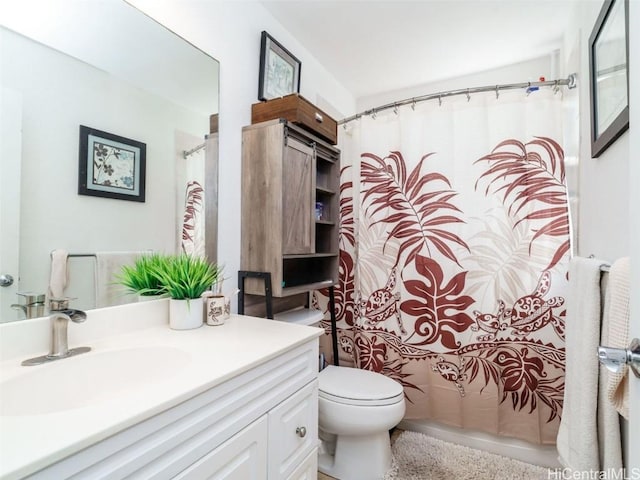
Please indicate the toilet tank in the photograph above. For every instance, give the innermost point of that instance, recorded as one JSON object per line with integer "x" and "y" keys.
{"x": 304, "y": 316}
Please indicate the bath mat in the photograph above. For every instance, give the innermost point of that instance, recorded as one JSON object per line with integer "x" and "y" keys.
{"x": 420, "y": 457}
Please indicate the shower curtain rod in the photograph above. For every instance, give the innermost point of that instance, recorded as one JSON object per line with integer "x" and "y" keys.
{"x": 570, "y": 81}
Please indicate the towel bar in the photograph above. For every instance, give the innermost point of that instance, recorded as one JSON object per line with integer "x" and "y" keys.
{"x": 615, "y": 358}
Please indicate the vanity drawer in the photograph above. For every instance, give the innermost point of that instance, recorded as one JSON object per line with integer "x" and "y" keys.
{"x": 293, "y": 431}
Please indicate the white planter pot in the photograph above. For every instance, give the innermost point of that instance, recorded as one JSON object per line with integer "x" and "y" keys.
{"x": 150, "y": 298}
{"x": 185, "y": 314}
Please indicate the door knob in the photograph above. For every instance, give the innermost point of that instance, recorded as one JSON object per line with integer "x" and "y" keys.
{"x": 615, "y": 358}
{"x": 6, "y": 280}
{"x": 301, "y": 431}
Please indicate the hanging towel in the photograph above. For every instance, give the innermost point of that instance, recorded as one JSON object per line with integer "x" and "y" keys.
{"x": 609, "y": 439}
{"x": 577, "y": 439}
{"x": 108, "y": 265}
{"x": 59, "y": 274}
{"x": 617, "y": 313}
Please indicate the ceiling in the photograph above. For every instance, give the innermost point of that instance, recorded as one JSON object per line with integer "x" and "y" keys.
{"x": 374, "y": 46}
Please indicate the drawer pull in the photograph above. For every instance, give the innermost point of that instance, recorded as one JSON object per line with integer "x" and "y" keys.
{"x": 301, "y": 431}
{"x": 319, "y": 118}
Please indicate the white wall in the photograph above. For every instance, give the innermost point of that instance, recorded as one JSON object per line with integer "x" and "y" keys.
{"x": 230, "y": 32}
{"x": 526, "y": 71}
{"x": 607, "y": 183}
{"x": 604, "y": 206}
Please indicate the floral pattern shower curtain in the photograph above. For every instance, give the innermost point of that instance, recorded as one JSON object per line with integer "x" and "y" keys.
{"x": 454, "y": 254}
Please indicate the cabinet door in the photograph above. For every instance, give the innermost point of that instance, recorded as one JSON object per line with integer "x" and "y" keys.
{"x": 298, "y": 198}
{"x": 293, "y": 431}
{"x": 242, "y": 457}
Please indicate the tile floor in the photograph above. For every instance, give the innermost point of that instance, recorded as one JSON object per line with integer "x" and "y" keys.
{"x": 394, "y": 435}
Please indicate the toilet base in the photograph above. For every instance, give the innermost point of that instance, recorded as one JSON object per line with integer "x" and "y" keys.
{"x": 357, "y": 457}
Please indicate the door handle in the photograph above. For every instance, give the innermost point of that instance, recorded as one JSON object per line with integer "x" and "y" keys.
{"x": 616, "y": 358}
{"x": 6, "y": 280}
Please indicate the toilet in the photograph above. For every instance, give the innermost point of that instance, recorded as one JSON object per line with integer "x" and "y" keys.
{"x": 356, "y": 410}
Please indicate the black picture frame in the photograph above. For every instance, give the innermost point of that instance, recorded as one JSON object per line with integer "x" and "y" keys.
{"x": 279, "y": 70}
{"x": 609, "y": 75}
{"x": 111, "y": 166}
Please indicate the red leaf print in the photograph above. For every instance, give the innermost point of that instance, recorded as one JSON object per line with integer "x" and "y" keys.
{"x": 371, "y": 352}
{"x": 531, "y": 175}
{"x": 414, "y": 208}
{"x": 439, "y": 308}
{"x": 520, "y": 375}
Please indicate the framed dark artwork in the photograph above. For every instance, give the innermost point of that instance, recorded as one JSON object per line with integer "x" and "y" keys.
{"x": 609, "y": 75}
{"x": 279, "y": 70}
{"x": 111, "y": 166}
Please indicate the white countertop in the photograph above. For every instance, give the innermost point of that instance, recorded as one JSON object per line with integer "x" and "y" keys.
{"x": 31, "y": 442}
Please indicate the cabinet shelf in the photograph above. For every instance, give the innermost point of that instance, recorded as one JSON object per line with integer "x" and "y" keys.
{"x": 325, "y": 190}
{"x": 309, "y": 256}
{"x": 325, "y": 222}
{"x": 326, "y": 159}
{"x": 288, "y": 291}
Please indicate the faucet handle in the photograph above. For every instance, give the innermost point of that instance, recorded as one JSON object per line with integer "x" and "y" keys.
{"x": 32, "y": 297}
{"x": 57, "y": 304}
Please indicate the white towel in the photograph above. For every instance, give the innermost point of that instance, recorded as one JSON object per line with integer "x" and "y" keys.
{"x": 59, "y": 274}
{"x": 617, "y": 314}
{"x": 109, "y": 264}
{"x": 577, "y": 440}
{"x": 609, "y": 439}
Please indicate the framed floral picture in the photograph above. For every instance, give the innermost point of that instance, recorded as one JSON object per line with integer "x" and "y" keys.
{"x": 111, "y": 166}
{"x": 279, "y": 70}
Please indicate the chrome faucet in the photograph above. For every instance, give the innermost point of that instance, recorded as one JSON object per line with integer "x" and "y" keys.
{"x": 33, "y": 305}
{"x": 59, "y": 320}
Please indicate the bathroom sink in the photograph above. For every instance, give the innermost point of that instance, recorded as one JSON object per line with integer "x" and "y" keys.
{"x": 87, "y": 379}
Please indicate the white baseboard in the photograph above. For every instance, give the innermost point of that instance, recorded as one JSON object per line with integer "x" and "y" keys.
{"x": 542, "y": 455}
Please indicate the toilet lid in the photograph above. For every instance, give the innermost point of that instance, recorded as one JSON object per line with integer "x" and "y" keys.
{"x": 358, "y": 387}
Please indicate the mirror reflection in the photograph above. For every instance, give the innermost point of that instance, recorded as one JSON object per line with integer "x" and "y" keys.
{"x": 107, "y": 66}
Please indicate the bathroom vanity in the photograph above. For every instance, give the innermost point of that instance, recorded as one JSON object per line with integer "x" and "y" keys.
{"x": 237, "y": 401}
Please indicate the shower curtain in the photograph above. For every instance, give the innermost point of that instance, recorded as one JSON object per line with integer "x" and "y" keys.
{"x": 454, "y": 249}
{"x": 192, "y": 227}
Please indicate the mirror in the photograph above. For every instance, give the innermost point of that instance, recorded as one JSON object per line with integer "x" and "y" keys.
{"x": 108, "y": 66}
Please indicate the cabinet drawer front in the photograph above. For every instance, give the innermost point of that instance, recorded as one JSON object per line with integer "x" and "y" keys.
{"x": 317, "y": 121}
{"x": 242, "y": 457}
{"x": 293, "y": 431}
{"x": 308, "y": 469}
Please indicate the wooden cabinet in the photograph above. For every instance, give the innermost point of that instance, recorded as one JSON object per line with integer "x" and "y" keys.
{"x": 300, "y": 111}
{"x": 290, "y": 208}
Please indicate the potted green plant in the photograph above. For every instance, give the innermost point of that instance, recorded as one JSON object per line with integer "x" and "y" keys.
{"x": 185, "y": 278}
{"x": 140, "y": 279}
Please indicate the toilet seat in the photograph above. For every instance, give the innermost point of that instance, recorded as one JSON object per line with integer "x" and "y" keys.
{"x": 352, "y": 386}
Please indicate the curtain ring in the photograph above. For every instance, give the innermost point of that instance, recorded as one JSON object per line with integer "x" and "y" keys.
{"x": 395, "y": 108}
{"x": 373, "y": 114}
{"x": 413, "y": 104}
{"x": 497, "y": 92}
{"x": 468, "y": 96}
{"x": 440, "y": 100}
